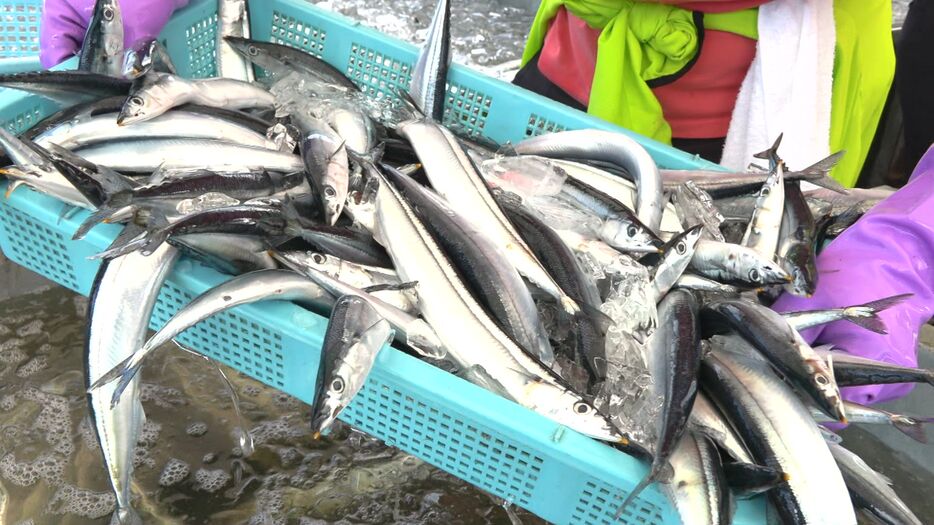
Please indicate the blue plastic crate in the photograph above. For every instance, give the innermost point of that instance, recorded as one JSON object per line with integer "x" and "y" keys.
{"x": 19, "y": 35}
{"x": 493, "y": 443}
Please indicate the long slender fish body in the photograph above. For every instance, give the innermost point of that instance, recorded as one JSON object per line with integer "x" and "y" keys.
{"x": 354, "y": 127}
{"x": 762, "y": 233}
{"x": 82, "y": 110}
{"x": 121, "y": 303}
{"x": 864, "y": 315}
{"x": 707, "y": 419}
{"x": 325, "y": 161}
{"x": 245, "y": 219}
{"x": 244, "y": 253}
{"x": 431, "y": 69}
{"x": 67, "y": 87}
{"x": 769, "y": 333}
{"x": 677, "y": 254}
{"x": 722, "y": 185}
{"x": 156, "y": 93}
{"x": 912, "y": 427}
{"x": 279, "y": 60}
{"x": 736, "y": 265}
{"x": 673, "y": 356}
{"x": 622, "y": 229}
{"x": 358, "y": 276}
{"x": 484, "y": 268}
{"x": 454, "y": 177}
{"x": 102, "y": 49}
{"x": 614, "y": 148}
{"x": 559, "y": 259}
{"x": 37, "y": 170}
{"x": 146, "y": 155}
{"x": 355, "y": 335}
{"x": 450, "y": 309}
{"x": 697, "y": 283}
{"x": 346, "y": 244}
{"x": 87, "y": 130}
{"x": 410, "y": 330}
{"x": 780, "y": 433}
{"x": 96, "y": 183}
{"x": 699, "y": 489}
{"x": 748, "y": 479}
{"x": 870, "y": 490}
{"x": 245, "y": 186}
{"x": 232, "y": 21}
{"x": 261, "y": 285}
{"x": 796, "y": 250}
{"x": 852, "y": 370}
{"x": 617, "y": 187}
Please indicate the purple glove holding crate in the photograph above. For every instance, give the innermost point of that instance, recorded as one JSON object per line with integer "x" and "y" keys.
{"x": 64, "y": 23}
{"x": 889, "y": 251}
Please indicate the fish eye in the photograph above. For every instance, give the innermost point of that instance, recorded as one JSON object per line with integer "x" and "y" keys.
{"x": 136, "y": 101}
{"x": 581, "y": 408}
{"x": 318, "y": 258}
{"x": 821, "y": 380}
{"x": 631, "y": 231}
{"x": 765, "y": 191}
{"x": 681, "y": 248}
{"x": 108, "y": 14}
{"x": 252, "y": 50}
{"x": 337, "y": 385}
{"x": 330, "y": 192}
{"x": 754, "y": 275}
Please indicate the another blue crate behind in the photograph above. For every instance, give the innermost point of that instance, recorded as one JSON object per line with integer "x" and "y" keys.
{"x": 19, "y": 35}
{"x": 486, "y": 440}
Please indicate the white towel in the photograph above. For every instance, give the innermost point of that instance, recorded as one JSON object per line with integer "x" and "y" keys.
{"x": 788, "y": 86}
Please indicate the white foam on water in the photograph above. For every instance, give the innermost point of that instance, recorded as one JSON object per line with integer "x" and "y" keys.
{"x": 211, "y": 480}
{"x": 197, "y": 429}
{"x": 174, "y": 472}
{"x": 85, "y": 503}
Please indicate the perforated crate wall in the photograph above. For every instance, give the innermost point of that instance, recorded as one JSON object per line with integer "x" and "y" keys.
{"x": 227, "y": 337}
{"x": 33, "y": 244}
{"x": 19, "y": 28}
{"x": 451, "y": 441}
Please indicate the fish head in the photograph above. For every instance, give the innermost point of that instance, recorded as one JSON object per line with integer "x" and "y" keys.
{"x": 822, "y": 379}
{"x": 355, "y": 335}
{"x": 571, "y": 410}
{"x": 764, "y": 273}
{"x": 134, "y": 110}
{"x": 324, "y": 263}
{"x": 243, "y": 46}
{"x": 333, "y": 203}
{"x": 629, "y": 236}
{"x": 150, "y": 96}
{"x": 328, "y": 404}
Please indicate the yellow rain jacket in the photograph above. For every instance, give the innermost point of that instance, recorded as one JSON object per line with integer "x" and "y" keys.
{"x": 640, "y": 42}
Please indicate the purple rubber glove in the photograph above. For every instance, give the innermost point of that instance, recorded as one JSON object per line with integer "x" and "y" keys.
{"x": 889, "y": 251}
{"x": 64, "y": 23}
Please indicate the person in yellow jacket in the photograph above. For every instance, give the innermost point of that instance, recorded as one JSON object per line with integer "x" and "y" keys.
{"x": 722, "y": 78}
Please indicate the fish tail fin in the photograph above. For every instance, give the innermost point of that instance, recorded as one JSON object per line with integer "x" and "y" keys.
{"x": 911, "y": 427}
{"x": 827, "y": 182}
{"x": 125, "y": 372}
{"x": 102, "y": 214}
{"x": 631, "y": 497}
{"x": 866, "y": 315}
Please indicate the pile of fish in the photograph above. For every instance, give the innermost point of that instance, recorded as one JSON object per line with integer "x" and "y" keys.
{"x": 566, "y": 273}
